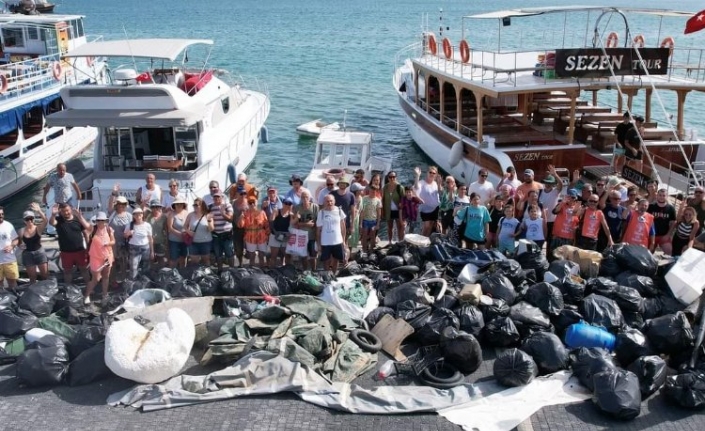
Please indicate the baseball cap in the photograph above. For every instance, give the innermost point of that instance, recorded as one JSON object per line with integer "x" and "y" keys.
{"x": 271, "y": 188}
{"x": 28, "y": 214}
{"x": 573, "y": 193}
{"x": 295, "y": 178}
{"x": 101, "y": 216}
{"x": 639, "y": 118}
{"x": 529, "y": 172}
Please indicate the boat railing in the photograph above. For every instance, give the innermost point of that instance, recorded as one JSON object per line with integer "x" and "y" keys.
{"x": 678, "y": 177}
{"x": 22, "y": 77}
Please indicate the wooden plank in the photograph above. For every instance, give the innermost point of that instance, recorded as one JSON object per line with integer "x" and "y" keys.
{"x": 391, "y": 333}
{"x": 199, "y": 309}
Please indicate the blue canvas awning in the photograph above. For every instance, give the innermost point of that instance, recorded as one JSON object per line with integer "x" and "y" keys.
{"x": 11, "y": 119}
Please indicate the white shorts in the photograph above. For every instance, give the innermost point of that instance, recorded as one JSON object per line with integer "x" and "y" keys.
{"x": 273, "y": 243}
{"x": 251, "y": 248}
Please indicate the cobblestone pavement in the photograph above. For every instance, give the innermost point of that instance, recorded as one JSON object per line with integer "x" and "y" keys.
{"x": 84, "y": 408}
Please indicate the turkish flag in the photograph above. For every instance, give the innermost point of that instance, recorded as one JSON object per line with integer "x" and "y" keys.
{"x": 696, "y": 23}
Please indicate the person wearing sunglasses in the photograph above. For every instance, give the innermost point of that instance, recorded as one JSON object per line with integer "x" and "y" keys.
{"x": 590, "y": 221}
{"x": 392, "y": 194}
{"x": 241, "y": 185}
{"x": 528, "y": 184}
{"x": 566, "y": 220}
{"x": 697, "y": 201}
{"x": 325, "y": 191}
{"x": 8, "y": 261}
{"x": 640, "y": 227}
{"x": 34, "y": 258}
{"x": 482, "y": 187}
{"x": 429, "y": 191}
{"x": 615, "y": 216}
{"x": 213, "y": 189}
{"x": 169, "y": 197}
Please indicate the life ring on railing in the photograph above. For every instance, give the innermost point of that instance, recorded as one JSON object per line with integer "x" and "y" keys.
{"x": 3, "y": 84}
{"x": 447, "y": 48}
{"x": 464, "y": 51}
{"x": 612, "y": 40}
{"x": 638, "y": 41}
{"x": 668, "y": 42}
{"x": 56, "y": 70}
{"x": 432, "y": 44}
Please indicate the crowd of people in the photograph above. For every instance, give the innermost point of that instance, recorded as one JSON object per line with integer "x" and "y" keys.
{"x": 163, "y": 229}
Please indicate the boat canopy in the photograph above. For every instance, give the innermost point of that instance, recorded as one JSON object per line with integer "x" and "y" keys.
{"x": 344, "y": 137}
{"x": 166, "y": 49}
{"x": 510, "y": 13}
{"x": 119, "y": 118}
{"x": 11, "y": 119}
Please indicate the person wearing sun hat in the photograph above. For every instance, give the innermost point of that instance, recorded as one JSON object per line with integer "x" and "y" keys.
{"x": 100, "y": 248}
{"x": 222, "y": 214}
{"x": 140, "y": 243}
{"x": 120, "y": 218}
{"x": 297, "y": 187}
{"x": 345, "y": 200}
{"x": 549, "y": 197}
{"x": 157, "y": 219}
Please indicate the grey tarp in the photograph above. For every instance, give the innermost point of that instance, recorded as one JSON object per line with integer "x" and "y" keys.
{"x": 264, "y": 372}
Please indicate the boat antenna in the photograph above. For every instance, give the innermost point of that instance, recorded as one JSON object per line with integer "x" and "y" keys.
{"x": 134, "y": 63}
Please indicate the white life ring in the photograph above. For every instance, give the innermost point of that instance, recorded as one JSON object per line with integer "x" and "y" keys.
{"x": 456, "y": 154}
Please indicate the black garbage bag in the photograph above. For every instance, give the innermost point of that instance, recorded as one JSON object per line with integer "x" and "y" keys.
{"x": 308, "y": 284}
{"x": 461, "y": 350}
{"x": 239, "y": 307}
{"x": 185, "y": 289}
{"x": 567, "y": 317}
{"x": 651, "y": 371}
{"x": 391, "y": 262}
{"x": 352, "y": 268}
{"x": 200, "y": 272}
{"x": 601, "y": 311}
{"x": 514, "y": 368}
{"x": 633, "y": 319}
{"x": 546, "y": 297}
{"x": 7, "y": 300}
{"x": 15, "y": 322}
{"x": 547, "y": 350}
{"x": 89, "y": 367}
{"x": 628, "y": 299}
{"x": 258, "y": 285}
{"x": 285, "y": 277}
{"x": 493, "y": 307}
{"x": 209, "y": 284}
{"x": 600, "y": 286}
{"x": 635, "y": 258}
{"x": 447, "y": 301}
{"x": 652, "y": 308}
{"x": 630, "y": 345}
{"x": 440, "y": 318}
{"x": 617, "y": 393}
{"x": 69, "y": 296}
{"x": 501, "y": 332}
{"x": 412, "y": 290}
{"x": 44, "y": 362}
{"x": 533, "y": 259}
{"x": 669, "y": 304}
{"x": 471, "y": 319}
{"x": 586, "y": 362}
{"x": 511, "y": 269}
{"x": 39, "y": 297}
{"x": 376, "y": 315}
{"x": 608, "y": 265}
{"x": 529, "y": 319}
{"x": 413, "y": 313}
{"x": 86, "y": 336}
{"x": 563, "y": 268}
{"x": 138, "y": 283}
{"x": 645, "y": 285}
{"x": 572, "y": 288}
{"x": 167, "y": 276}
{"x": 497, "y": 285}
{"x": 687, "y": 390}
{"x": 670, "y": 333}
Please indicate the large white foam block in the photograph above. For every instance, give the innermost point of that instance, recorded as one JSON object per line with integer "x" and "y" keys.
{"x": 150, "y": 356}
{"x": 686, "y": 278}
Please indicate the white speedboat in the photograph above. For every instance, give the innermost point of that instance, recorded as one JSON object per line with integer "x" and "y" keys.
{"x": 315, "y": 127}
{"x": 32, "y": 71}
{"x": 494, "y": 99}
{"x": 188, "y": 124}
{"x": 341, "y": 153}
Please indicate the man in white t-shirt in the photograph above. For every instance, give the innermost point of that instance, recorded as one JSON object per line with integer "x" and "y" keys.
{"x": 331, "y": 234}
{"x": 8, "y": 260}
{"x": 548, "y": 198}
{"x": 62, "y": 183}
{"x": 483, "y": 188}
{"x": 510, "y": 178}
{"x": 148, "y": 192}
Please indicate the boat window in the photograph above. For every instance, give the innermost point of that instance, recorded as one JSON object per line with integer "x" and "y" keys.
{"x": 355, "y": 155}
{"x": 339, "y": 154}
{"x": 155, "y": 141}
{"x": 13, "y": 37}
{"x": 324, "y": 154}
{"x": 78, "y": 24}
{"x": 32, "y": 33}
{"x": 225, "y": 102}
{"x": 117, "y": 141}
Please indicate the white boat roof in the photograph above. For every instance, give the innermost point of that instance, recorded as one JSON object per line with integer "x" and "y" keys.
{"x": 166, "y": 49}
{"x": 9, "y": 18}
{"x": 119, "y": 118}
{"x": 328, "y": 136}
{"x": 510, "y": 13}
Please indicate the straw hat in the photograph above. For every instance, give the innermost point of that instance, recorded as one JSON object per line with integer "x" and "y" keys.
{"x": 178, "y": 200}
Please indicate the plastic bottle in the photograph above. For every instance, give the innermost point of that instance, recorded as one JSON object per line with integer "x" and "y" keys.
{"x": 386, "y": 370}
{"x": 584, "y": 335}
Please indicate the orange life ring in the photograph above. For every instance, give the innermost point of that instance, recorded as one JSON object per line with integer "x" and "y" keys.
{"x": 432, "y": 44}
{"x": 464, "y": 51}
{"x": 56, "y": 70}
{"x": 90, "y": 61}
{"x": 638, "y": 41}
{"x": 447, "y": 48}
{"x": 668, "y": 42}
{"x": 3, "y": 83}
{"x": 612, "y": 40}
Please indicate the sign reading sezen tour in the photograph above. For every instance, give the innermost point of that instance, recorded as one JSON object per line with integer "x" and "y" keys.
{"x": 595, "y": 63}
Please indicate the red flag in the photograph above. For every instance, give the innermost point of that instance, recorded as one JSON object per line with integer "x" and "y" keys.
{"x": 696, "y": 23}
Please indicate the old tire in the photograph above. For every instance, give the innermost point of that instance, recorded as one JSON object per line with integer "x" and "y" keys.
{"x": 367, "y": 341}
{"x": 441, "y": 375}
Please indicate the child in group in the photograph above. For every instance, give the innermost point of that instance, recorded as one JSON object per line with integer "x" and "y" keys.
{"x": 370, "y": 217}
{"x": 410, "y": 208}
{"x": 496, "y": 214}
{"x": 534, "y": 227}
{"x": 256, "y": 225}
{"x": 507, "y": 231}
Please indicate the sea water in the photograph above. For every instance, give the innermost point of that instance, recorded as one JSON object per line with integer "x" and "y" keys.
{"x": 319, "y": 58}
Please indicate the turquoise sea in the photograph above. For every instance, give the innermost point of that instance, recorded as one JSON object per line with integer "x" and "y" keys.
{"x": 319, "y": 58}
